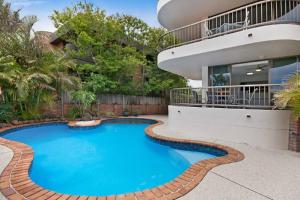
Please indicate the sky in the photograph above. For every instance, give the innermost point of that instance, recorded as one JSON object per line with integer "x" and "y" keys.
{"x": 143, "y": 9}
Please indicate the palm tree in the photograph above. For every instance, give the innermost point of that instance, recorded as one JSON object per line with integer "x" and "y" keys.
{"x": 9, "y": 19}
{"x": 63, "y": 80}
{"x": 29, "y": 77}
{"x": 290, "y": 97}
{"x": 23, "y": 73}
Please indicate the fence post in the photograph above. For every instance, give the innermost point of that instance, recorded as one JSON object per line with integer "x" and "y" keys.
{"x": 244, "y": 96}
{"x": 98, "y": 105}
{"x": 123, "y": 102}
{"x": 247, "y": 20}
{"x": 171, "y": 96}
{"x": 62, "y": 104}
{"x": 189, "y": 97}
{"x": 269, "y": 96}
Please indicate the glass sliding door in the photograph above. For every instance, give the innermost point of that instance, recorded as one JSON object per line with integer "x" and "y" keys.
{"x": 219, "y": 76}
{"x": 283, "y": 69}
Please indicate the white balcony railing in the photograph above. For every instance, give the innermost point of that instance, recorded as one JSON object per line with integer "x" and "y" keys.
{"x": 238, "y": 96}
{"x": 261, "y": 13}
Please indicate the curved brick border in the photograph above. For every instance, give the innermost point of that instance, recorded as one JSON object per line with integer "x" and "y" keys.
{"x": 15, "y": 183}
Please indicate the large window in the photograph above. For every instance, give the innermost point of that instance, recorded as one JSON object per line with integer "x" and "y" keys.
{"x": 219, "y": 75}
{"x": 283, "y": 69}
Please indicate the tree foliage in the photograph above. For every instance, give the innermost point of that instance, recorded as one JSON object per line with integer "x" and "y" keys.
{"x": 9, "y": 19}
{"x": 104, "y": 54}
{"x": 83, "y": 99}
{"x": 29, "y": 77}
{"x": 290, "y": 97}
{"x": 120, "y": 51}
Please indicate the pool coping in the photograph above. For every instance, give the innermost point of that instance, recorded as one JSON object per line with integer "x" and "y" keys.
{"x": 16, "y": 184}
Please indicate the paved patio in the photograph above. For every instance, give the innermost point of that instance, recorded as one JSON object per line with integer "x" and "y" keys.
{"x": 264, "y": 174}
{"x": 5, "y": 156}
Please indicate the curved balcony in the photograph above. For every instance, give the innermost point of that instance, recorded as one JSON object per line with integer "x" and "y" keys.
{"x": 177, "y": 13}
{"x": 262, "y": 13}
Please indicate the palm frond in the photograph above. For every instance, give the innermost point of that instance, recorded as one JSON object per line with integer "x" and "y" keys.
{"x": 290, "y": 97}
{"x": 39, "y": 76}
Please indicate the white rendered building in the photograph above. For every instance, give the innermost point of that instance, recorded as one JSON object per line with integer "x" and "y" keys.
{"x": 243, "y": 51}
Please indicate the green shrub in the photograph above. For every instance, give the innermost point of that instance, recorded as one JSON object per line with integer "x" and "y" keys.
{"x": 135, "y": 112}
{"x": 30, "y": 115}
{"x": 84, "y": 100}
{"x": 290, "y": 96}
{"x": 74, "y": 113}
{"x": 6, "y": 113}
{"x": 108, "y": 114}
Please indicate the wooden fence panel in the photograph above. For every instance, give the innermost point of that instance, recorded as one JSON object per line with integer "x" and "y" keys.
{"x": 122, "y": 99}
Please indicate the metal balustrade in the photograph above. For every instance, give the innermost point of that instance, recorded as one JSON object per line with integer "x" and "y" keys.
{"x": 261, "y": 13}
{"x": 238, "y": 96}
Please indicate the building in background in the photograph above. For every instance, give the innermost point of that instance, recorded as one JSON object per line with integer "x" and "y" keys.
{"x": 243, "y": 51}
{"x": 48, "y": 41}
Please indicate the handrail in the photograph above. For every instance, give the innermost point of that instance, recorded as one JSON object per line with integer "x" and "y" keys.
{"x": 253, "y": 15}
{"x": 234, "y": 96}
{"x": 231, "y": 86}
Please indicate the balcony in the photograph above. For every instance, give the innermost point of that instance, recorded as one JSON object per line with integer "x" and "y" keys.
{"x": 177, "y": 13}
{"x": 262, "y": 13}
{"x": 259, "y": 96}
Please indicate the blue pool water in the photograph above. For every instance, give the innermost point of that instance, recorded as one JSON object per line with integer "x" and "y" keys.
{"x": 109, "y": 159}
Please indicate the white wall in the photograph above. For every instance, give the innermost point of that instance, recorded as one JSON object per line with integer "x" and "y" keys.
{"x": 265, "y": 128}
{"x": 267, "y": 42}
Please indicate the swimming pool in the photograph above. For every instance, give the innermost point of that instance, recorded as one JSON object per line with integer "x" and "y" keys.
{"x": 114, "y": 158}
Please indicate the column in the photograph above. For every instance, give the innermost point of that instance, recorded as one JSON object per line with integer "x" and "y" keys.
{"x": 205, "y": 81}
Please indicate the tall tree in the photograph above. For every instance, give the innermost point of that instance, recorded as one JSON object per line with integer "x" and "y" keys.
{"x": 121, "y": 51}
{"x": 9, "y": 19}
{"x": 29, "y": 77}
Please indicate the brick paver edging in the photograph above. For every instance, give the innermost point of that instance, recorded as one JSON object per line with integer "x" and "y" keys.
{"x": 15, "y": 183}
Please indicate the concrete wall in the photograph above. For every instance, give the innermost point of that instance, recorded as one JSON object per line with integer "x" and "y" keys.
{"x": 265, "y": 128}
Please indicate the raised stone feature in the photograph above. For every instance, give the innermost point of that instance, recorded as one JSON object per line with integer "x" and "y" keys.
{"x": 84, "y": 123}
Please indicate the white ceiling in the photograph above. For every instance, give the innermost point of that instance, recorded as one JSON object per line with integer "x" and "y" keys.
{"x": 243, "y": 70}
